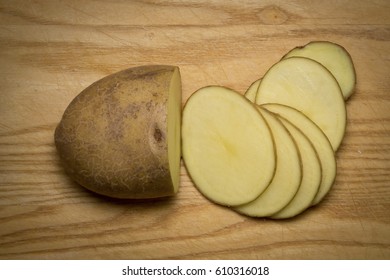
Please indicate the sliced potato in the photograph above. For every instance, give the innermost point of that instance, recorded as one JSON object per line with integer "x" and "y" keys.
{"x": 311, "y": 175}
{"x": 335, "y": 58}
{"x": 251, "y": 92}
{"x": 227, "y": 146}
{"x": 319, "y": 141}
{"x": 288, "y": 173}
{"x": 307, "y": 86}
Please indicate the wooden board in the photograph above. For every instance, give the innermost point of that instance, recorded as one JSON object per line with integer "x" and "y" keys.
{"x": 51, "y": 50}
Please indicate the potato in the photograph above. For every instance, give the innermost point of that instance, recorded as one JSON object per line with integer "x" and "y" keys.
{"x": 288, "y": 173}
{"x": 251, "y": 92}
{"x": 120, "y": 137}
{"x": 335, "y": 58}
{"x": 319, "y": 141}
{"x": 301, "y": 99}
{"x": 228, "y": 148}
{"x": 311, "y": 174}
{"x": 309, "y": 87}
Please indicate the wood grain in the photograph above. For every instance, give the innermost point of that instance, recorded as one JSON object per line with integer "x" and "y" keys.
{"x": 51, "y": 50}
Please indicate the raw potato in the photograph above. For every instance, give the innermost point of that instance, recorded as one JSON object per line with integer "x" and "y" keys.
{"x": 307, "y": 86}
{"x": 335, "y": 58}
{"x": 302, "y": 100}
{"x": 251, "y": 92}
{"x": 311, "y": 175}
{"x": 120, "y": 137}
{"x": 319, "y": 141}
{"x": 227, "y": 146}
{"x": 288, "y": 173}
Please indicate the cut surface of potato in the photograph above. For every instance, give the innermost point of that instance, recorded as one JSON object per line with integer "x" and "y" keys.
{"x": 251, "y": 92}
{"x": 335, "y": 58}
{"x": 319, "y": 141}
{"x": 307, "y": 86}
{"x": 174, "y": 129}
{"x": 227, "y": 146}
{"x": 311, "y": 175}
{"x": 120, "y": 137}
{"x": 288, "y": 173}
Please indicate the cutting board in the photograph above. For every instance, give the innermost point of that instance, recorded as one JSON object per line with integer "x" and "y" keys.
{"x": 52, "y": 50}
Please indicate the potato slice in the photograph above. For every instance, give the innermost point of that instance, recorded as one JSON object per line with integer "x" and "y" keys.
{"x": 306, "y": 85}
{"x": 319, "y": 141}
{"x": 335, "y": 58}
{"x": 251, "y": 92}
{"x": 311, "y": 175}
{"x": 227, "y": 146}
{"x": 288, "y": 173}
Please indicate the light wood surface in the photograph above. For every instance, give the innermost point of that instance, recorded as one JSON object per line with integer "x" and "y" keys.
{"x": 51, "y": 50}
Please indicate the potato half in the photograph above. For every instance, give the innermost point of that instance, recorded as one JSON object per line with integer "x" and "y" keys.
{"x": 120, "y": 137}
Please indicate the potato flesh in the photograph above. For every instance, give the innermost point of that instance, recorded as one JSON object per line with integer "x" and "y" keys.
{"x": 227, "y": 146}
{"x": 251, "y": 92}
{"x": 308, "y": 87}
{"x": 319, "y": 141}
{"x": 335, "y": 58}
{"x": 288, "y": 173}
{"x": 174, "y": 126}
{"x": 311, "y": 175}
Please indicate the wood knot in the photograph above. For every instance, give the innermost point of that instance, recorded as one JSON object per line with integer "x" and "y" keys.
{"x": 273, "y": 15}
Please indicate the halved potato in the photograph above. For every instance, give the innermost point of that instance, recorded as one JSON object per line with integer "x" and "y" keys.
{"x": 311, "y": 175}
{"x": 307, "y": 86}
{"x": 319, "y": 141}
{"x": 227, "y": 146}
{"x": 288, "y": 173}
{"x": 335, "y": 58}
{"x": 120, "y": 137}
{"x": 251, "y": 92}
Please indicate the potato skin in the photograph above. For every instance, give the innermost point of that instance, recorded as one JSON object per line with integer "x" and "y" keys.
{"x": 112, "y": 137}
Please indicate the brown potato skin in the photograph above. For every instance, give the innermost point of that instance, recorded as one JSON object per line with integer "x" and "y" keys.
{"x": 112, "y": 138}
